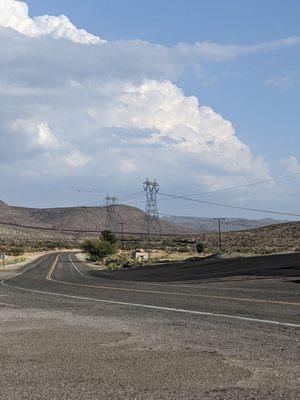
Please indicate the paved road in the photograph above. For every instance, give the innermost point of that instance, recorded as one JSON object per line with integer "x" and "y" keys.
{"x": 216, "y": 330}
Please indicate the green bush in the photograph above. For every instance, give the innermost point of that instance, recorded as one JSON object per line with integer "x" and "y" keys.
{"x": 98, "y": 249}
{"x": 120, "y": 260}
{"x": 109, "y": 237}
{"x": 112, "y": 266}
{"x": 200, "y": 247}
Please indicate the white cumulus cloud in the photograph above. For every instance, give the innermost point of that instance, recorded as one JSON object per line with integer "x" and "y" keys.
{"x": 158, "y": 113}
{"x": 14, "y": 14}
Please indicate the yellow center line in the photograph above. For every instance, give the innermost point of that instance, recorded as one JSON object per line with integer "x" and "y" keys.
{"x": 50, "y": 273}
{"x": 51, "y": 270}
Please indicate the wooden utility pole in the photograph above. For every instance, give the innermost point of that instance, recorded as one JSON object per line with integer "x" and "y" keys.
{"x": 220, "y": 236}
{"x": 219, "y": 232}
{"x": 122, "y": 235}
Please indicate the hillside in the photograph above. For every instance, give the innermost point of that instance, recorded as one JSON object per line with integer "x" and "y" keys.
{"x": 201, "y": 224}
{"x": 269, "y": 239}
{"x": 14, "y": 215}
{"x": 79, "y": 218}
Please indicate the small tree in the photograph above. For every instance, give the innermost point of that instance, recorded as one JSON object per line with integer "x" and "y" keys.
{"x": 108, "y": 236}
{"x": 98, "y": 249}
{"x": 200, "y": 247}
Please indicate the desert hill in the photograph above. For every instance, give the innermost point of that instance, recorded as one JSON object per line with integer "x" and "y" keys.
{"x": 94, "y": 219}
{"x": 37, "y": 225}
{"x": 79, "y": 218}
{"x": 13, "y": 215}
{"x": 203, "y": 224}
{"x": 277, "y": 238}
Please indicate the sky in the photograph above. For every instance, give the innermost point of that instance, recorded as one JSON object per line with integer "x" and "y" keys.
{"x": 99, "y": 95}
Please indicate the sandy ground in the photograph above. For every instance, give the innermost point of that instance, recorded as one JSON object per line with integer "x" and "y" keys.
{"x": 29, "y": 257}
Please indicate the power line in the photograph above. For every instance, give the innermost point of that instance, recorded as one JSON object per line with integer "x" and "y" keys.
{"x": 78, "y": 231}
{"x": 129, "y": 197}
{"x": 132, "y": 195}
{"x": 246, "y": 185}
{"x": 230, "y": 205}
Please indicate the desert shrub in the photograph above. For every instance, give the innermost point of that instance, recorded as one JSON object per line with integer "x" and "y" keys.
{"x": 15, "y": 251}
{"x": 183, "y": 249}
{"x": 200, "y": 247}
{"x": 98, "y": 249}
{"x": 15, "y": 260}
{"x": 108, "y": 236}
{"x": 120, "y": 260}
{"x": 112, "y": 266}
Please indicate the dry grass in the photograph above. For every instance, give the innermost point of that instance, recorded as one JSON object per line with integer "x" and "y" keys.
{"x": 171, "y": 255}
{"x": 15, "y": 260}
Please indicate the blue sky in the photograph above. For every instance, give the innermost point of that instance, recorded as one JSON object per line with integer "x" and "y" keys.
{"x": 170, "y": 22}
{"x": 240, "y": 70}
{"x": 267, "y": 118}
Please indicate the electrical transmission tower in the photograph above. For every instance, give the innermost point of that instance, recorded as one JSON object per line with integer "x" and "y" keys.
{"x": 151, "y": 224}
{"x": 111, "y": 213}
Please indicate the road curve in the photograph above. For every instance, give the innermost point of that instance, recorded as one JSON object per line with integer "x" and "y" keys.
{"x": 226, "y": 329}
{"x": 273, "y": 301}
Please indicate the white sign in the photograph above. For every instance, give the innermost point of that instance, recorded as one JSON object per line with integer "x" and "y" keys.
{"x": 140, "y": 257}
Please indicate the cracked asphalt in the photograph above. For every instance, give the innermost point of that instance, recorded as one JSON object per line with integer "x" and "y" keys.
{"x": 212, "y": 330}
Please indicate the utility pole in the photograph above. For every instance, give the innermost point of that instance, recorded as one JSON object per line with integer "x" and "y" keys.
{"x": 220, "y": 236}
{"x": 111, "y": 203}
{"x": 151, "y": 223}
{"x": 122, "y": 235}
{"x": 219, "y": 232}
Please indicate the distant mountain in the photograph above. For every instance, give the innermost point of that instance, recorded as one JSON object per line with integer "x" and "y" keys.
{"x": 94, "y": 218}
{"x": 79, "y": 218}
{"x": 203, "y": 224}
{"x": 239, "y": 235}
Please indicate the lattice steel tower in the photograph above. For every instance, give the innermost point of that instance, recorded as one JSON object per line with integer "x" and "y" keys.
{"x": 151, "y": 224}
{"x": 111, "y": 213}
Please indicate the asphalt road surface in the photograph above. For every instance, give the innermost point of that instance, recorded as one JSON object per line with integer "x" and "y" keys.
{"x": 210, "y": 330}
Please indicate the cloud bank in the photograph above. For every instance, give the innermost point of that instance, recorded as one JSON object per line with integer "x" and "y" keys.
{"x": 111, "y": 109}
